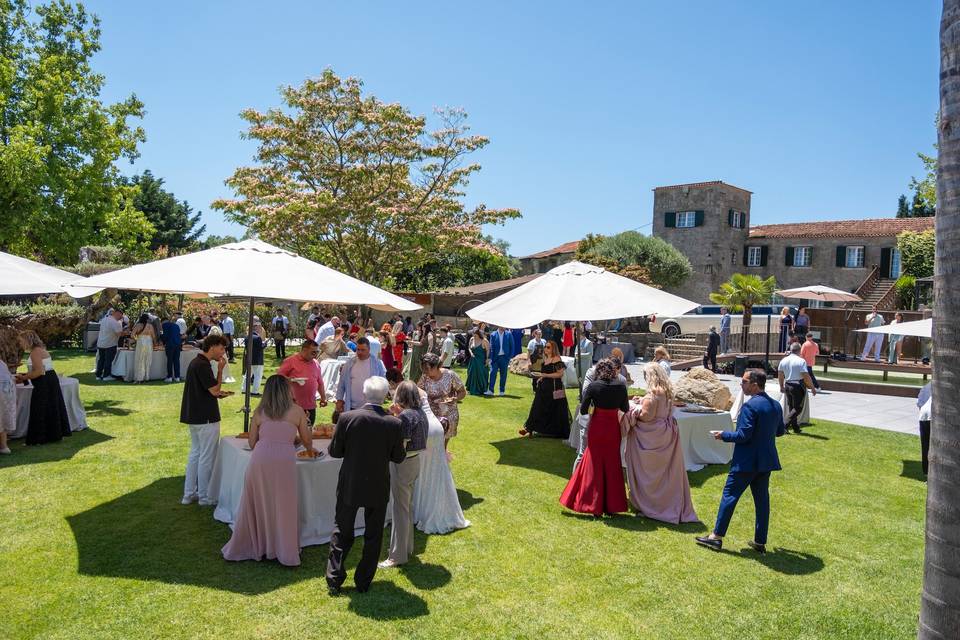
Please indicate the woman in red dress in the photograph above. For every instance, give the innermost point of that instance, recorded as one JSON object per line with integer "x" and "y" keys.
{"x": 567, "y": 339}
{"x": 596, "y": 486}
{"x": 399, "y": 339}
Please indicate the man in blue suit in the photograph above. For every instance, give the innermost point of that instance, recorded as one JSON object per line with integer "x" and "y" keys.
{"x": 754, "y": 457}
{"x": 501, "y": 348}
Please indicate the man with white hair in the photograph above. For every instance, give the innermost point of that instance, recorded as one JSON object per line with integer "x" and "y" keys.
{"x": 368, "y": 439}
{"x": 328, "y": 329}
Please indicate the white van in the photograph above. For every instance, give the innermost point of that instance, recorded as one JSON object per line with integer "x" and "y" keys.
{"x": 703, "y": 317}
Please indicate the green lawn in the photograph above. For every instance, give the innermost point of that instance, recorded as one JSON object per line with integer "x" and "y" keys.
{"x": 96, "y": 545}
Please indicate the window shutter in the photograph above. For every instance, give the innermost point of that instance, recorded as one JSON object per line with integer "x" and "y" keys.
{"x": 763, "y": 256}
{"x": 730, "y": 217}
{"x": 841, "y": 256}
{"x": 746, "y": 253}
{"x": 885, "y": 262}
{"x": 810, "y": 256}
{"x": 670, "y": 219}
{"x": 789, "y": 257}
{"x": 698, "y": 219}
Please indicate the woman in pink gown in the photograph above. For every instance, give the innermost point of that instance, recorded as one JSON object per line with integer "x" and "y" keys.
{"x": 268, "y": 522}
{"x": 656, "y": 473}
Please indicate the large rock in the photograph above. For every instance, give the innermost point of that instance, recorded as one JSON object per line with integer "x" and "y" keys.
{"x": 701, "y": 386}
{"x": 520, "y": 364}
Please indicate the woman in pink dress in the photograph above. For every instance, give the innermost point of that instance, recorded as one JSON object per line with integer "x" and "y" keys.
{"x": 656, "y": 473}
{"x": 268, "y": 522}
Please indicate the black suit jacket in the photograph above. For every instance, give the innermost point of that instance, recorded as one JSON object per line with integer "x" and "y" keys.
{"x": 367, "y": 439}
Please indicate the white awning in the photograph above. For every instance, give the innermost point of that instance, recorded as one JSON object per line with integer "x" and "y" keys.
{"x": 23, "y": 277}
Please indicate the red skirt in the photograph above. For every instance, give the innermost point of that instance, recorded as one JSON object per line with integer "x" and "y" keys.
{"x": 597, "y": 486}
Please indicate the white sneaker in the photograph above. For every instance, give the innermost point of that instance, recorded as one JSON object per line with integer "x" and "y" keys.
{"x": 501, "y": 394}
{"x": 388, "y": 564}
{"x": 99, "y": 378}
{"x": 207, "y": 503}
{"x": 188, "y": 499}
{"x": 5, "y": 451}
{"x": 488, "y": 393}
{"x": 168, "y": 379}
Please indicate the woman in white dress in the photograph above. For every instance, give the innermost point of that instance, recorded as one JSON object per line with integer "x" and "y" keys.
{"x": 10, "y": 356}
{"x": 436, "y": 507}
{"x": 145, "y": 335}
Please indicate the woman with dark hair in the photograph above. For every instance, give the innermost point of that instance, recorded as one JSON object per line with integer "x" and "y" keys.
{"x": 145, "y": 335}
{"x": 567, "y": 339}
{"x": 477, "y": 371}
{"x": 444, "y": 390}
{"x": 596, "y": 486}
{"x": 549, "y": 414}
{"x": 422, "y": 343}
{"x": 268, "y": 524}
{"x": 48, "y": 413}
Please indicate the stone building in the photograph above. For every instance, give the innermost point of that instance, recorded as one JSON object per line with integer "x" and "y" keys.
{"x": 543, "y": 261}
{"x": 710, "y": 223}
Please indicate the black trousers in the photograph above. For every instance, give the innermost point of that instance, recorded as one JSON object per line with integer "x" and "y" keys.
{"x": 311, "y": 416}
{"x": 281, "y": 346}
{"x": 105, "y": 361}
{"x": 342, "y": 541}
{"x": 813, "y": 378}
{"x": 229, "y": 337}
{"x": 924, "y": 443}
{"x": 796, "y": 395}
{"x": 710, "y": 357}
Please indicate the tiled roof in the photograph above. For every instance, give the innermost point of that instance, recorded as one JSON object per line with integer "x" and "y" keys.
{"x": 700, "y": 184}
{"x": 487, "y": 287}
{"x": 870, "y": 228}
{"x": 567, "y": 247}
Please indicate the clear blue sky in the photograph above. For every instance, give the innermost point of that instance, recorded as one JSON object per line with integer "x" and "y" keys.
{"x": 818, "y": 107}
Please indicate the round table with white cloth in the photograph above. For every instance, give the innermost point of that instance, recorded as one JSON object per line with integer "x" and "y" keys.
{"x": 123, "y": 364}
{"x": 804, "y": 414}
{"x": 570, "y": 372}
{"x": 330, "y": 372}
{"x": 70, "y": 387}
{"x": 316, "y": 489}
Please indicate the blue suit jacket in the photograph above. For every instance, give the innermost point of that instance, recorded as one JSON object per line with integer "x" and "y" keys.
{"x": 755, "y": 445}
{"x": 495, "y": 344}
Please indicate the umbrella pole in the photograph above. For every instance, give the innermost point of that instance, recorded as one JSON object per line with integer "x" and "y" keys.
{"x": 766, "y": 358}
{"x": 576, "y": 333}
{"x": 247, "y": 369}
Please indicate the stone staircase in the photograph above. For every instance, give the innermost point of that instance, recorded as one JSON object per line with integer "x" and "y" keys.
{"x": 682, "y": 348}
{"x": 880, "y": 292}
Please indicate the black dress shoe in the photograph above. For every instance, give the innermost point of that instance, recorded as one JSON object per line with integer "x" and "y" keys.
{"x": 711, "y": 543}
{"x": 333, "y": 591}
{"x": 756, "y": 546}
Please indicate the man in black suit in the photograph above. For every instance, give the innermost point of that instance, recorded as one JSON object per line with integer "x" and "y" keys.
{"x": 367, "y": 439}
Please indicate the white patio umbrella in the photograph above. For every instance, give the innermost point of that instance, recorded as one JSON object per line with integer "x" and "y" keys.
{"x": 23, "y": 277}
{"x": 820, "y": 292}
{"x": 918, "y": 328}
{"x": 251, "y": 269}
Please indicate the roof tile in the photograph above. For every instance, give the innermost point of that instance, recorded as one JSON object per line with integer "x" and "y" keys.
{"x": 869, "y": 228}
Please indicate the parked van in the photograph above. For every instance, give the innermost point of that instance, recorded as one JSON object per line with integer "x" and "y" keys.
{"x": 705, "y": 316}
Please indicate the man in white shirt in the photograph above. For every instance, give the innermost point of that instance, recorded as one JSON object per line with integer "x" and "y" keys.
{"x": 181, "y": 323}
{"x": 228, "y": 332}
{"x": 446, "y": 350}
{"x": 111, "y": 328}
{"x": 794, "y": 382}
{"x": 924, "y": 406}
{"x": 874, "y": 340}
{"x": 354, "y": 373}
{"x": 328, "y": 329}
{"x": 314, "y": 315}
{"x": 374, "y": 344}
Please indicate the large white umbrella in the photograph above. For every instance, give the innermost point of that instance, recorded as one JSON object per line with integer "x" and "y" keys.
{"x": 577, "y": 292}
{"x": 919, "y": 328}
{"x": 251, "y": 269}
{"x": 23, "y": 277}
{"x": 820, "y": 292}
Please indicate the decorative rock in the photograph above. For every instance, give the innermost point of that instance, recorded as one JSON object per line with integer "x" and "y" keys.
{"x": 520, "y": 364}
{"x": 701, "y": 386}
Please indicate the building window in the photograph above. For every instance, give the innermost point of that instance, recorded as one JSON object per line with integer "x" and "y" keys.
{"x": 738, "y": 219}
{"x": 753, "y": 256}
{"x": 855, "y": 257}
{"x": 802, "y": 256}
{"x": 686, "y": 218}
{"x": 895, "y": 264}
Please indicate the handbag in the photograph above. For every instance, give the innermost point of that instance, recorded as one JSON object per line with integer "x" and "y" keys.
{"x": 558, "y": 394}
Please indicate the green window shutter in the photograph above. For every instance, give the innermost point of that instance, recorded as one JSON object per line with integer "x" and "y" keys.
{"x": 810, "y": 253}
{"x": 763, "y": 256}
{"x": 841, "y": 256}
{"x": 746, "y": 251}
{"x": 885, "y": 262}
{"x": 698, "y": 219}
{"x": 730, "y": 217}
{"x": 670, "y": 219}
{"x": 788, "y": 260}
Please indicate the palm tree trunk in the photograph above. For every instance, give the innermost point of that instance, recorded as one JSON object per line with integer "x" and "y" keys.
{"x": 745, "y": 330}
{"x": 940, "y": 599}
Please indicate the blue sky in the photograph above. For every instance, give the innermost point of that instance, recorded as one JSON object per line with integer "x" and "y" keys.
{"x": 818, "y": 107}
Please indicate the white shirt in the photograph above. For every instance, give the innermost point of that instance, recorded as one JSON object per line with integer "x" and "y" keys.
{"x": 446, "y": 352}
{"x": 358, "y": 375}
{"x": 326, "y": 331}
{"x": 533, "y": 344}
{"x": 501, "y": 334}
{"x": 374, "y": 352}
{"x": 183, "y": 326}
{"x": 228, "y": 325}
{"x": 874, "y": 320}
{"x": 924, "y": 395}
{"x": 793, "y": 367}
{"x": 110, "y": 330}
{"x": 665, "y": 365}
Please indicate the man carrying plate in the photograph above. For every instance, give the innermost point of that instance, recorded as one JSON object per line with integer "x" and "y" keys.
{"x": 303, "y": 371}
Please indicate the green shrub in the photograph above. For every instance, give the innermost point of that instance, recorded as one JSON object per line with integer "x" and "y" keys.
{"x": 103, "y": 254}
{"x": 917, "y": 249}
{"x": 56, "y": 324}
{"x": 905, "y": 291}
{"x": 9, "y": 312}
{"x": 667, "y": 266}
{"x": 87, "y": 269}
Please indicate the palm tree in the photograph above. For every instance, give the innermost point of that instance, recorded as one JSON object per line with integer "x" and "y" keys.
{"x": 940, "y": 598}
{"x": 741, "y": 293}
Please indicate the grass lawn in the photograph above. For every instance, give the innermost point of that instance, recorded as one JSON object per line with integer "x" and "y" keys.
{"x": 96, "y": 544}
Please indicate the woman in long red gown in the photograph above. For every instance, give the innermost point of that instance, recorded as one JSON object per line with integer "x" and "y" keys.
{"x": 596, "y": 486}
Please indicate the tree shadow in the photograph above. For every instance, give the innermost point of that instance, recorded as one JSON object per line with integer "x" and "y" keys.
{"x": 807, "y": 434}
{"x": 699, "y": 478}
{"x": 106, "y": 408}
{"x": 426, "y": 576}
{"x": 549, "y": 455}
{"x": 913, "y": 469}
{"x": 467, "y": 499}
{"x": 386, "y": 601}
{"x": 52, "y": 452}
{"x": 786, "y": 561}
{"x": 148, "y": 535}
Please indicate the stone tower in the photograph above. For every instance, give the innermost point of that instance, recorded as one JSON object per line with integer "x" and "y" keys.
{"x": 709, "y": 222}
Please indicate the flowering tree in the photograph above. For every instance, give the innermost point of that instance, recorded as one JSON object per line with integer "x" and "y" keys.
{"x": 358, "y": 184}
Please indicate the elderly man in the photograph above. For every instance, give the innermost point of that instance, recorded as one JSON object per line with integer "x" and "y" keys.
{"x": 724, "y": 330}
{"x": 368, "y": 440}
{"x": 794, "y": 382}
{"x": 303, "y": 371}
{"x": 111, "y": 329}
{"x": 354, "y": 373}
{"x": 328, "y": 329}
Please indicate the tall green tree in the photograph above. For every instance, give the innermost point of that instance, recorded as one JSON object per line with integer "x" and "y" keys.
{"x": 741, "y": 293}
{"x": 903, "y": 209}
{"x": 345, "y": 179}
{"x": 940, "y": 596}
{"x": 666, "y": 265}
{"x": 58, "y": 140}
{"x": 457, "y": 268}
{"x": 917, "y": 252}
{"x": 177, "y": 227}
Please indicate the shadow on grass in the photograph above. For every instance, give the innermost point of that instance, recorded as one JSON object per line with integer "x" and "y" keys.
{"x": 550, "y": 455}
{"x": 52, "y": 452}
{"x": 786, "y": 561}
{"x": 913, "y": 469}
{"x": 633, "y": 522}
{"x": 106, "y": 408}
{"x": 699, "y": 478}
{"x": 807, "y": 434}
{"x": 386, "y": 601}
{"x": 426, "y": 576}
{"x": 467, "y": 499}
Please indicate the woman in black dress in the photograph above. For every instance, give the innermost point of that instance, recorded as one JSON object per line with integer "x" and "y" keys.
{"x": 48, "y": 413}
{"x": 786, "y": 326}
{"x": 549, "y": 413}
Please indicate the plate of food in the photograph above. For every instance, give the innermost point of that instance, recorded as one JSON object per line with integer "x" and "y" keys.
{"x": 299, "y": 381}
{"x": 323, "y": 431}
{"x": 244, "y": 436}
{"x": 695, "y": 408}
{"x": 309, "y": 454}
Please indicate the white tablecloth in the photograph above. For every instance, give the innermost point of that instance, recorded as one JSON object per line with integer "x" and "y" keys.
{"x": 123, "y": 365}
{"x": 699, "y": 447}
{"x": 316, "y": 489}
{"x": 70, "y": 387}
{"x": 804, "y": 415}
{"x": 570, "y": 373}
{"x": 330, "y": 372}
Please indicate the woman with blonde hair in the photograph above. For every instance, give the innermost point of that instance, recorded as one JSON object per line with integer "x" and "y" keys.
{"x": 48, "y": 413}
{"x": 786, "y": 326}
{"x": 662, "y": 357}
{"x": 656, "y": 473}
{"x": 145, "y": 335}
